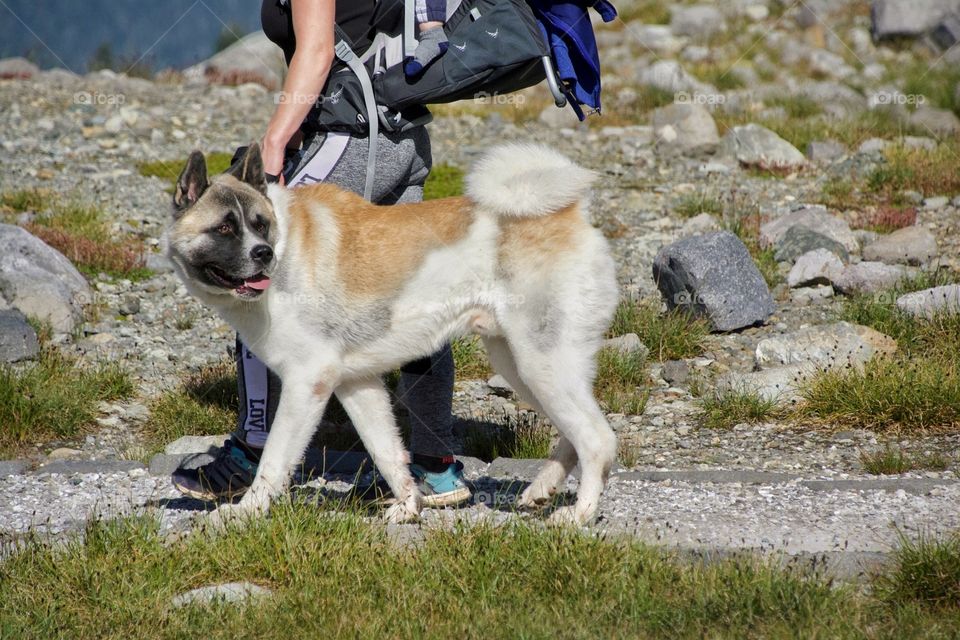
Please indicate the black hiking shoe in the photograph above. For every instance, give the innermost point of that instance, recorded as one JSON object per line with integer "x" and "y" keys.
{"x": 229, "y": 475}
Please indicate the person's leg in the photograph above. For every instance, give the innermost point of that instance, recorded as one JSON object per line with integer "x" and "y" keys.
{"x": 430, "y": 15}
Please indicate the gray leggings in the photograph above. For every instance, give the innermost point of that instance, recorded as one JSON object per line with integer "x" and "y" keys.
{"x": 426, "y": 385}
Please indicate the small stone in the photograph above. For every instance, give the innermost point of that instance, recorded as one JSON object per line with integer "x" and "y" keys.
{"x": 942, "y": 122}
{"x": 676, "y": 372}
{"x": 686, "y": 128}
{"x": 826, "y": 346}
{"x": 800, "y": 239}
{"x": 697, "y": 21}
{"x": 626, "y": 344}
{"x": 698, "y": 224}
{"x": 64, "y": 453}
{"x": 230, "y": 593}
{"x": 938, "y": 202}
{"x": 825, "y": 151}
{"x": 808, "y": 295}
{"x": 194, "y": 444}
{"x": 869, "y": 277}
{"x": 499, "y": 385}
{"x": 818, "y": 267}
{"x": 812, "y": 216}
{"x": 755, "y": 146}
{"x": 872, "y": 145}
{"x": 101, "y": 338}
{"x": 130, "y": 304}
{"x": 18, "y": 340}
{"x": 911, "y": 245}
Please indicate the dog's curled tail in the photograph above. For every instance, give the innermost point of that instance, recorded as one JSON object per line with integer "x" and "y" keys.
{"x": 525, "y": 179}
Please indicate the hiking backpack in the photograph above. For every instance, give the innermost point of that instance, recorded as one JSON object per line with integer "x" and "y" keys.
{"x": 496, "y": 46}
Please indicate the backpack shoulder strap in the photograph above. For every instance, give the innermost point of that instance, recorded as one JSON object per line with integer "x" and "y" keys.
{"x": 345, "y": 54}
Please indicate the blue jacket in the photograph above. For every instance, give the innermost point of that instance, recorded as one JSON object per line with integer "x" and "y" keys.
{"x": 569, "y": 33}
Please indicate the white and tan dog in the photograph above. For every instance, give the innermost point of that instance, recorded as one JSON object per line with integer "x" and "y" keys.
{"x": 331, "y": 292}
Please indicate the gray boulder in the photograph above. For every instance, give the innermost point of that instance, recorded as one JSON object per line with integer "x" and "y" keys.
{"x": 713, "y": 276}
{"x": 814, "y": 268}
{"x": 931, "y": 302}
{"x": 897, "y": 18}
{"x": 755, "y": 146}
{"x": 825, "y": 151}
{"x": 869, "y": 277}
{"x": 799, "y": 240}
{"x": 910, "y": 245}
{"x": 941, "y": 122}
{"x": 39, "y": 281}
{"x": 18, "y": 340}
{"x": 668, "y": 75}
{"x": 627, "y": 344}
{"x": 685, "y": 128}
{"x": 252, "y": 58}
{"x": 826, "y": 346}
{"x": 811, "y": 216}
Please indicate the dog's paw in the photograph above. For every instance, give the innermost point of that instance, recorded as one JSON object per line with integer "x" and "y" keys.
{"x": 569, "y": 516}
{"x": 534, "y": 497}
{"x": 403, "y": 512}
{"x": 227, "y": 514}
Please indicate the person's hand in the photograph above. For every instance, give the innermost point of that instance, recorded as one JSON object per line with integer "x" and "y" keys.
{"x": 272, "y": 155}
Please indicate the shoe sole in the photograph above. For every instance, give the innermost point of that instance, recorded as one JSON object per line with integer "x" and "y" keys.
{"x": 448, "y": 499}
{"x": 206, "y": 497}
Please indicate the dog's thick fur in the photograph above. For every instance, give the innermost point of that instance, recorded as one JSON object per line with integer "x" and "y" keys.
{"x": 356, "y": 290}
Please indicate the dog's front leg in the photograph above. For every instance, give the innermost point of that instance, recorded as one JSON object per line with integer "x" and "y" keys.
{"x": 302, "y": 401}
{"x": 368, "y": 405}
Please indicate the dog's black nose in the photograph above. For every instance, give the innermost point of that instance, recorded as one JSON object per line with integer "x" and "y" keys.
{"x": 262, "y": 253}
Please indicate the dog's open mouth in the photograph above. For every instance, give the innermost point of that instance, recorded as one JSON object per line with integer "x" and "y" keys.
{"x": 245, "y": 287}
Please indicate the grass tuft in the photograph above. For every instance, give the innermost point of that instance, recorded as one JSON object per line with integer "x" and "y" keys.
{"x": 55, "y": 397}
{"x": 696, "y": 203}
{"x": 205, "y": 403}
{"x": 444, "y": 181}
{"x": 470, "y": 359}
{"x": 525, "y": 436}
{"x": 926, "y": 572}
{"x": 929, "y": 171}
{"x": 890, "y": 460}
{"x": 723, "y": 410}
{"x": 621, "y": 382}
{"x": 670, "y": 335}
{"x": 169, "y": 170}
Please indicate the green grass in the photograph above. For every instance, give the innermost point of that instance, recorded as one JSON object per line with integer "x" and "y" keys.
{"x": 444, "y": 181}
{"x": 470, "y": 359}
{"x": 621, "y": 384}
{"x": 79, "y": 231}
{"x": 796, "y": 106}
{"x": 891, "y": 460}
{"x": 723, "y": 410}
{"x": 169, "y": 170}
{"x": 342, "y": 576}
{"x": 937, "y": 83}
{"x": 646, "y": 11}
{"x": 204, "y": 403}
{"x": 523, "y": 437}
{"x": 694, "y": 204}
{"x": 746, "y": 226}
{"x": 671, "y": 335}
{"x": 54, "y": 398}
{"x": 932, "y": 172}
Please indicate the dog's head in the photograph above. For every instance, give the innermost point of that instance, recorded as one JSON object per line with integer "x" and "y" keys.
{"x": 224, "y": 230}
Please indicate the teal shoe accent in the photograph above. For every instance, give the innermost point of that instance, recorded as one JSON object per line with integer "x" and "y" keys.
{"x": 443, "y": 488}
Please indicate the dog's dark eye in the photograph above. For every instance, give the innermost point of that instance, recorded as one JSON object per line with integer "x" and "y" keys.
{"x": 225, "y": 229}
{"x": 260, "y": 227}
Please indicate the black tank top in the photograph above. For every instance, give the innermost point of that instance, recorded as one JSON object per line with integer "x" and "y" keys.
{"x": 352, "y": 16}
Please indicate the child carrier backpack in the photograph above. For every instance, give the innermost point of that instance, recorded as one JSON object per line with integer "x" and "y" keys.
{"x": 495, "y": 47}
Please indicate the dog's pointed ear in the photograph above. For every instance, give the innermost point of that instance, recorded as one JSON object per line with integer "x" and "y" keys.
{"x": 249, "y": 169}
{"x": 191, "y": 184}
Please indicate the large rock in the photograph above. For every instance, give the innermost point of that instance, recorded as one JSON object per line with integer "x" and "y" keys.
{"x": 814, "y": 217}
{"x": 869, "y": 277}
{"x": 930, "y": 303}
{"x": 814, "y": 268}
{"x": 826, "y": 346}
{"x": 18, "y": 340}
{"x": 699, "y": 21}
{"x": 685, "y": 128}
{"x": 940, "y": 122}
{"x": 253, "y": 58}
{"x": 17, "y": 69}
{"x": 799, "y": 240}
{"x": 713, "y": 276}
{"x": 780, "y": 384}
{"x": 756, "y": 146}
{"x": 231, "y": 592}
{"x": 894, "y": 18}
{"x": 39, "y": 281}
{"x": 910, "y": 245}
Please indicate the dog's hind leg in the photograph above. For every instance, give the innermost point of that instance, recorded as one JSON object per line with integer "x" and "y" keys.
{"x": 368, "y": 405}
{"x": 561, "y": 381}
{"x": 564, "y": 456}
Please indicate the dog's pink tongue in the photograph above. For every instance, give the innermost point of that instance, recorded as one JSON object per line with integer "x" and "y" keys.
{"x": 259, "y": 283}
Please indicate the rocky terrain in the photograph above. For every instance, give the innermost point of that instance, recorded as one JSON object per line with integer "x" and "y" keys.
{"x": 741, "y": 149}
